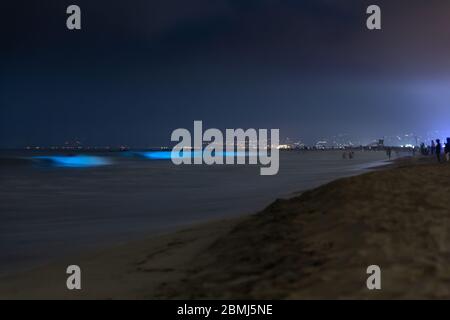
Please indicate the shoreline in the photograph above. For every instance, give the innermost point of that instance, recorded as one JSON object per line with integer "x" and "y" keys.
{"x": 24, "y": 253}
{"x": 186, "y": 263}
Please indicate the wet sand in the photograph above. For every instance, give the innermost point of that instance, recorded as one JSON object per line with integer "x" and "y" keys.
{"x": 317, "y": 245}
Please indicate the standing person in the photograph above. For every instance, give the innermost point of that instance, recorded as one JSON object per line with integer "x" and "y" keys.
{"x": 389, "y": 153}
{"x": 433, "y": 147}
{"x": 438, "y": 149}
{"x": 423, "y": 149}
{"x": 447, "y": 150}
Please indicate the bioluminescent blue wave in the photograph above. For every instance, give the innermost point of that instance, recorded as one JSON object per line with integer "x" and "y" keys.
{"x": 167, "y": 155}
{"x": 78, "y": 161}
{"x": 156, "y": 155}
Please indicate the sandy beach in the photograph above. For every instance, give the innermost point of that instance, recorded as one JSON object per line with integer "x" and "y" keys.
{"x": 317, "y": 245}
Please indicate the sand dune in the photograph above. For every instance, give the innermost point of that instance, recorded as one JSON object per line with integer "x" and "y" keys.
{"x": 317, "y": 245}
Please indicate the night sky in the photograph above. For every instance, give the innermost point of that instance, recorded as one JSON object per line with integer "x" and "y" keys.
{"x": 139, "y": 69}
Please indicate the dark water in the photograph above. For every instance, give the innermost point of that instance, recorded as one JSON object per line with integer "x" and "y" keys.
{"x": 48, "y": 210}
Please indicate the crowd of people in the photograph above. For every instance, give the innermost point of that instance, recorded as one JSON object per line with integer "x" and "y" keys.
{"x": 436, "y": 149}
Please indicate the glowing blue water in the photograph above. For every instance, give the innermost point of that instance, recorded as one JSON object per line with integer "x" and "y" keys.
{"x": 164, "y": 155}
{"x": 78, "y": 161}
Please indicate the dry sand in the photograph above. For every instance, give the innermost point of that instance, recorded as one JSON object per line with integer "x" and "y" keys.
{"x": 317, "y": 245}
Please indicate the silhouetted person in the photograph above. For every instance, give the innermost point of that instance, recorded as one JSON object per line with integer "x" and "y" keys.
{"x": 447, "y": 150}
{"x": 438, "y": 149}
{"x": 433, "y": 147}
{"x": 423, "y": 149}
{"x": 389, "y": 153}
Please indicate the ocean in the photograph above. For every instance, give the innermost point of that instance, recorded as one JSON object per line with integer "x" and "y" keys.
{"x": 53, "y": 205}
